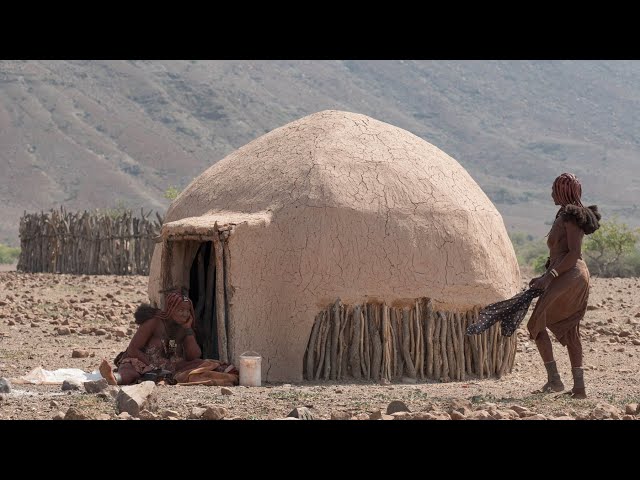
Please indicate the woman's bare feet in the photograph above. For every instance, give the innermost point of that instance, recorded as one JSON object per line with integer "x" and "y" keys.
{"x": 107, "y": 373}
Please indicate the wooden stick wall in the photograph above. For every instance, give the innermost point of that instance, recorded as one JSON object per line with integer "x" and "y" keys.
{"x": 375, "y": 341}
{"x": 87, "y": 242}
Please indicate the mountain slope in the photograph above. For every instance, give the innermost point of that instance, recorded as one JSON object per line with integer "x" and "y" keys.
{"x": 92, "y": 134}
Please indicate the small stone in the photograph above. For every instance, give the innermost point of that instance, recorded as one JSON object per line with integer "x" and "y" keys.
{"x": 340, "y": 416}
{"x": 147, "y": 415}
{"x": 196, "y": 412}
{"x": 58, "y": 416}
{"x": 63, "y": 330}
{"x": 100, "y": 331}
{"x": 74, "y": 414}
{"x": 397, "y": 406}
{"x": 80, "y": 354}
{"x": 226, "y": 391}
{"x": 631, "y": 409}
{"x": 535, "y": 416}
{"x": 124, "y": 416}
{"x": 214, "y": 413}
{"x": 303, "y": 413}
{"x": 54, "y": 404}
{"x": 68, "y": 385}
{"x": 5, "y": 385}
{"x": 166, "y": 413}
{"x": 455, "y": 415}
{"x": 96, "y": 386}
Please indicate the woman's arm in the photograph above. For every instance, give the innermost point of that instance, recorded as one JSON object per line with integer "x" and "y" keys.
{"x": 574, "y": 245}
{"x": 190, "y": 346}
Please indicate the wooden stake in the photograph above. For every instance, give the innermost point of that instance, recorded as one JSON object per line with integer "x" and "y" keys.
{"x": 356, "y": 344}
{"x": 311, "y": 347}
{"x": 406, "y": 339}
{"x": 430, "y": 344}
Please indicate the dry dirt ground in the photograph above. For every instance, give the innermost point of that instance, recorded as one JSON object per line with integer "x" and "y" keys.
{"x": 45, "y": 317}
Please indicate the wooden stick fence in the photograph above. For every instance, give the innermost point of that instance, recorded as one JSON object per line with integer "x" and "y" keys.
{"x": 87, "y": 242}
{"x": 375, "y": 341}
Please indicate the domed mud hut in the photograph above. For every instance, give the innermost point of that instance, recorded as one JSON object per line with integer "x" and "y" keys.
{"x": 340, "y": 247}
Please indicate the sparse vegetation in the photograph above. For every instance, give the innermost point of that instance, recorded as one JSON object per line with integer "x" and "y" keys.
{"x": 9, "y": 254}
{"x": 612, "y": 250}
{"x": 119, "y": 210}
{"x": 531, "y": 252}
{"x": 171, "y": 193}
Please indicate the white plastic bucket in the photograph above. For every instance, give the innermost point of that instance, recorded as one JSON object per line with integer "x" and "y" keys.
{"x": 250, "y": 369}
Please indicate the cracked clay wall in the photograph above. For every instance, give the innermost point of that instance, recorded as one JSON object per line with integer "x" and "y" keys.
{"x": 354, "y": 208}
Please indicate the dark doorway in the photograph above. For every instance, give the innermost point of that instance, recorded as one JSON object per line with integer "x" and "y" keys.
{"x": 202, "y": 293}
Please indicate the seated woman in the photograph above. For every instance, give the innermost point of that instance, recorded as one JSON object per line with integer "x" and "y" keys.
{"x": 165, "y": 342}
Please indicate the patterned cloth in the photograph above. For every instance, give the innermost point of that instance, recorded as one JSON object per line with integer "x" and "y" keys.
{"x": 509, "y": 313}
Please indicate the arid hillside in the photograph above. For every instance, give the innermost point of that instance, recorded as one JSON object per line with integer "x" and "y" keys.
{"x": 98, "y": 134}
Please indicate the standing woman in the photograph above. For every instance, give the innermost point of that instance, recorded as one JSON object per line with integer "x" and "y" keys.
{"x": 563, "y": 303}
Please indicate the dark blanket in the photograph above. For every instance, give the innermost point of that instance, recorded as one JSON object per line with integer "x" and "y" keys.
{"x": 508, "y": 312}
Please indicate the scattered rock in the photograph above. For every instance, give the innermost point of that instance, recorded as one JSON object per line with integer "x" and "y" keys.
{"x": 535, "y": 416}
{"x": 58, "y": 416}
{"x": 397, "y": 406}
{"x": 340, "y": 416}
{"x": 95, "y": 386}
{"x": 166, "y": 413}
{"x": 604, "y": 411}
{"x": 5, "y": 385}
{"x": 54, "y": 404}
{"x": 303, "y": 413}
{"x": 226, "y": 391}
{"x": 455, "y": 415}
{"x": 134, "y": 398}
{"x": 147, "y": 415}
{"x": 63, "y": 330}
{"x": 109, "y": 393}
{"x": 378, "y": 415}
{"x": 631, "y": 408}
{"x": 71, "y": 385}
{"x": 74, "y": 414}
{"x": 431, "y": 416}
{"x": 214, "y": 413}
{"x": 80, "y": 354}
{"x": 522, "y": 411}
{"x": 479, "y": 415}
{"x": 460, "y": 405}
{"x": 196, "y": 412}
{"x": 124, "y": 416}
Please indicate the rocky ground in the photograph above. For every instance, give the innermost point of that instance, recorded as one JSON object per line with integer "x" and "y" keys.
{"x": 67, "y": 321}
